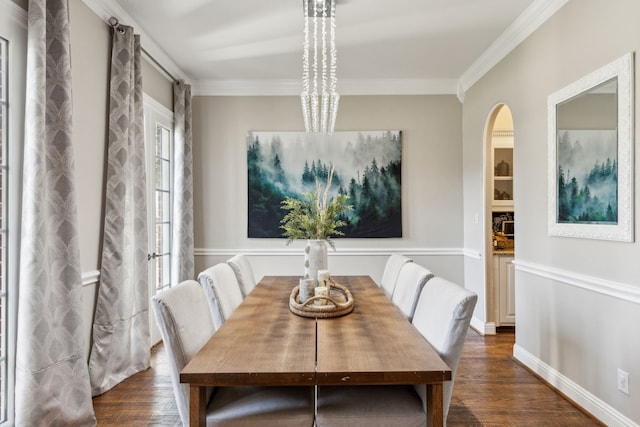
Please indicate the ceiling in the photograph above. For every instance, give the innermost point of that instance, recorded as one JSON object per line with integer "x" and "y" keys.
{"x": 400, "y": 46}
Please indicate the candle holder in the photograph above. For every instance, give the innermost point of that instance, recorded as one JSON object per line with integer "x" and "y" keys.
{"x": 338, "y": 301}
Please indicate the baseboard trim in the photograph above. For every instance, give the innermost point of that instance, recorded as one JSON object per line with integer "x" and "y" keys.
{"x": 581, "y": 397}
{"x": 483, "y": 328}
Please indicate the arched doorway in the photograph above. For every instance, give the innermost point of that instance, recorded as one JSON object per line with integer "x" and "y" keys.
{"x": 500, "y": 215}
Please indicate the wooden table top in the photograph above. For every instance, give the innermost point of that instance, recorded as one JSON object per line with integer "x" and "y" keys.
{"x": 263, "y": 343}
{"x": 375, "y": 344}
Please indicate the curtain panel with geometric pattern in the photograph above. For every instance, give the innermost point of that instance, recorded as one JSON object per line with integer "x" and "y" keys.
{"x": 52, "y": 381}
{"x": 121, "y": 341}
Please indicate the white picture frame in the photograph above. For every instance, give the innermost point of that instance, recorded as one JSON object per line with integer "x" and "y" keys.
{"x": 591, "y": 128}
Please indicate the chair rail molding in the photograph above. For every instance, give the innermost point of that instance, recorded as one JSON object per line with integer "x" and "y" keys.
{"x": 298, "y": 251}
{"x": 605, "y": 287}
{"x": 90, "y": 277}
{"x": 473, "y": 253}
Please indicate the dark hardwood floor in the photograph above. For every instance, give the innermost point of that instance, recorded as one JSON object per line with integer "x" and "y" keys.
{"x": 491, "y": 389}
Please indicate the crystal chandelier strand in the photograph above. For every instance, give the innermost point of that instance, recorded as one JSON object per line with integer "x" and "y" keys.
{"x": 333, "y": 65}
{"x": 324, "y": 104}
{"x": 333, "y": 61}
{"x": 315, "y": 120}
{"x": 304, "y": 97}
{"x": 319, "y": 98}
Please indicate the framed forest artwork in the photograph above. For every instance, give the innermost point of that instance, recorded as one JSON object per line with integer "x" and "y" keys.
{"x": 591, "y": 155}
{"x": 367, "y": 167}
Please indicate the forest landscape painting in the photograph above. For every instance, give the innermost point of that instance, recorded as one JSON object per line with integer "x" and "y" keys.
{"x": 287, "y": 164}
{"x": 587, "y": 177}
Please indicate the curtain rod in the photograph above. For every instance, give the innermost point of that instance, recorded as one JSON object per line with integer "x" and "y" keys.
{"x": 113, "y": 22}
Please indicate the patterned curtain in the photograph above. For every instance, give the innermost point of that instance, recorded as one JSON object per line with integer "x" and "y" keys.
{"x": 52, "y": 381}
{"x": 121, "y": 341}
{"x": 183, "y": 262}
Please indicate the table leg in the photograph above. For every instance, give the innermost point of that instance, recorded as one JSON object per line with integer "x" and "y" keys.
{"x": 197, "y": 406}
{"x": 435, "y": 405}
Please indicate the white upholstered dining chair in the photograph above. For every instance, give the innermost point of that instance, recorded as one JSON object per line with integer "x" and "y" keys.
{"x": 442, "y": 316}
{"x": 186, "y": 325}
{"x": 411, "y": 280}
{"x": 391, "y": 271}
{"x": 223, "y": 291}
{"x": 244, "y": 273}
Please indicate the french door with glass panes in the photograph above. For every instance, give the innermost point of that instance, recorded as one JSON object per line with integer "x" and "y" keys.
{"x": 13, "y": 58}
{"x": 159, "y": 149}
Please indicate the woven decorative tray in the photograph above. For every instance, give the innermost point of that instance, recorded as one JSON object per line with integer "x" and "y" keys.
{"x": 339, "y": 303}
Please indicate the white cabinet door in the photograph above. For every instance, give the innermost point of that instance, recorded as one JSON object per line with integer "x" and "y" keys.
{"x": 506, "y": 291}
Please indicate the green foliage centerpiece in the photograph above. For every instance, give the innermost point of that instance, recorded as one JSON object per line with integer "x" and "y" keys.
{"x": 317, "y": 217}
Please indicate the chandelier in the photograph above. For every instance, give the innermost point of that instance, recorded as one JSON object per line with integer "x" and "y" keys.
{"x": 319, "y": 97}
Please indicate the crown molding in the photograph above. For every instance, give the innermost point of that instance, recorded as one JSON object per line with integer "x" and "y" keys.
{"x": 293, "y": 87}
{"x": 106, "y": 9}
{"x": 14, "y": 12}
{"x": 528, "y": 22}
{"x": 246, "y": 87}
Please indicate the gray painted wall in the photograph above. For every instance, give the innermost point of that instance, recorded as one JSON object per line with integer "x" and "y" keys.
{"x": 576, "y": 299}
{"x": 573, "y": 336}
{"x": 431, "y": 181}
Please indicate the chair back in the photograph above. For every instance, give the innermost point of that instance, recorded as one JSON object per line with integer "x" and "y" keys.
{"x": 442, "y": 316}
{"x": 391, "y": 271}
{"x": 242, "y": 269}
{"x": 411, "y": 280}
{"x": 185, "y": 324}
{"x": 223, "y": 291}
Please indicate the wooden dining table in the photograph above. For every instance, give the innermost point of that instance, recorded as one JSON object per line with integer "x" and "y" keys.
{"x": 264, "y": 344}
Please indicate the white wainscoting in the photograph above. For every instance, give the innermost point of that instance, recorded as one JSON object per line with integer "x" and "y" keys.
{"x": 591, "y": 403}
{"x": 601, "y": 410}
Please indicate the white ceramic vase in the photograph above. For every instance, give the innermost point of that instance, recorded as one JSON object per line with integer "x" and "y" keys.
{"x": 315, "y": 258}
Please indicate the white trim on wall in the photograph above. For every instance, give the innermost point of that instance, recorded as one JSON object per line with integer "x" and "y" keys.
{"x": 345, "y": 87}
{"x": 601, "y": 410}
{"x": 483, "y": 328}
{"x": 90, "y": 277}
{"x": 106, "y": 9}
{"x": 531, "y": 19}
{"x": 15, "y": 13}
{"x": 602, "y": 286}
{"x": 297, "y": 251}
{"x": 473, "y": 253}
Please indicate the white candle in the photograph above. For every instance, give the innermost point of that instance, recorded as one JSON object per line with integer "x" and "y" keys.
{"x": 307, "y": 286}
{"x": 321, "y": 291}
{"x": 323, "y": 277}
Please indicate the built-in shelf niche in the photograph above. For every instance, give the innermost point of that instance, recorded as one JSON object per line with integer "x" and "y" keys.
{"x": 502, "y": 162}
